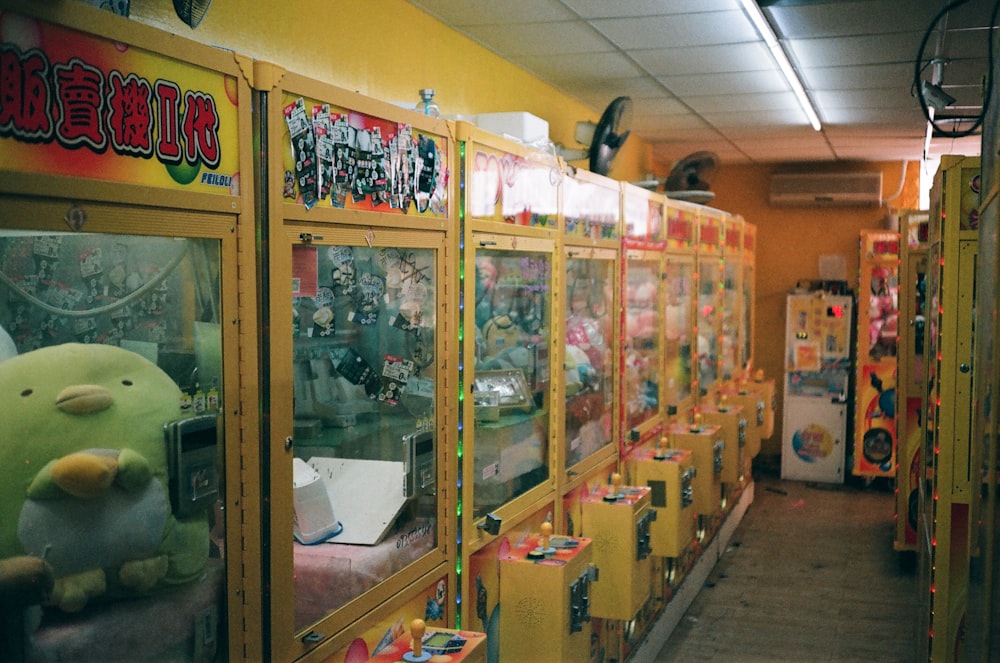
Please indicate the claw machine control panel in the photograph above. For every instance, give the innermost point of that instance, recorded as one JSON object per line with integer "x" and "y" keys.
{"x": 618, "y": 519}
{"x": 546, "y": 587}
{"x": 707, "y": 446}
{"x": 817, "y": 379}
{"x": 669, "y": 473}
{"x": 732, "y": 421}
{"x": 422, "y": 644}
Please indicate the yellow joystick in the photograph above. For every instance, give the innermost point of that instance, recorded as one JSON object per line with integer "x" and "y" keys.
{"x": 696, "y": 425}
{"x": 759, "y": 375}
{"x": 543, "y": 541}
{"x": 417, "y": 630}
{"x": 661, "y": 448}
{"x": 723, "y": 402}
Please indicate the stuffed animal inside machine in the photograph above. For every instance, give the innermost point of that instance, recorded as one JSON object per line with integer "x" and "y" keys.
{"x": 86, "y": 478}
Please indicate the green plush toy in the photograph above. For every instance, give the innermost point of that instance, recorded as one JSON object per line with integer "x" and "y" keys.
{"x": 85, "y": 482}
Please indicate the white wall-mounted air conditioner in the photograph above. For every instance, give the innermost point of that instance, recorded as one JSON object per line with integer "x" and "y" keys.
{"x": 858, "y": 189}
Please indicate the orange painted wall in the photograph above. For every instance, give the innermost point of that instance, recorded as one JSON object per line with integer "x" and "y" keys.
{"x": 790, "y": 242}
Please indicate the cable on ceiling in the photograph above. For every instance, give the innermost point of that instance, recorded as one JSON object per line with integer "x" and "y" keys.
{"x": 918, "y": 68}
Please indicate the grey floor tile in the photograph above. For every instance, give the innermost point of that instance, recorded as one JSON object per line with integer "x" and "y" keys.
{"x": 810, "y": 576}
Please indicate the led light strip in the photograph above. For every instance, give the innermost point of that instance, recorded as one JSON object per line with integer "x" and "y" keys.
{"x": 759, "y": 21}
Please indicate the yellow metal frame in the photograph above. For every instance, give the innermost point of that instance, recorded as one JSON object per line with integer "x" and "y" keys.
{"x": 910, "y": 377}
{"x": 749, "y": 326}
{"x": 731, "y": 351}
{"x": 949, "y": 491}
{"x": 498, "y": 232}
{"x": 982, "y": 636}
{"x": 711, "y": 242}
{"x": 680, "y": 252}
{"x": 134, "y": 209}
{"x": 290, "y": 224}
{"x": 587, "y": 246}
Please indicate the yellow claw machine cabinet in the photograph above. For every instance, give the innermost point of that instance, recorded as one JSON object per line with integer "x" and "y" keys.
{"x": 709, "y": 305}
{"x": 669, "y": 473}
{"x": 614, "y": 516}
{"x": 360, "y": 312}
{"x": 875, "y": 437}
{"x": 126, "y": 339}
{"x": 910, "y": 379}
{"x": 641, "y": 333}
{"x": 982, "y": 636}
{"x": 591, "y": 250}
{"x": 520, "y": 575}
{"x": 950, "y": 482}
{"x": 720, "y": 410}
{"x": 741, "y": 390}
{"x": 678, "y": 309}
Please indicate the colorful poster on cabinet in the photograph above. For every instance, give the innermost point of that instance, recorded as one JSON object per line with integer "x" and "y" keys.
{"x": 512, "y": 189}
{"x": 338, "y": 157}
{"x": 79, "y": 105}
{"x": 875, "y": 442}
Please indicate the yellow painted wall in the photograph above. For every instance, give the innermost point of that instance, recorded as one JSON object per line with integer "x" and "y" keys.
{"x": 388, "y": 49}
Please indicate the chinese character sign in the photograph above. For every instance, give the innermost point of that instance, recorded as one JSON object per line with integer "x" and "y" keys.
{"x": 79, "y": 105}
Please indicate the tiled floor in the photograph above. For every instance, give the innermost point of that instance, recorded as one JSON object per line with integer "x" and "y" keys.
{"x": 809, "y": 575}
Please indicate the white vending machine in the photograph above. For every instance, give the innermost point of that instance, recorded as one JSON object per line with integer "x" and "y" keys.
{"x": 817, "y": 377}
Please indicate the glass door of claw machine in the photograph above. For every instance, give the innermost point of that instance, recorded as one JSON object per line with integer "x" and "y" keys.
{"x": 121, "y": 352}
{"x": 509, "y": 403}
{"x": 642, "y": 335}
{"x": 591, "y": 244}
{"x": 711, "y": 284}
{"x": 511, "y": 369}
{"x": 113, "y": 378}
{"x": 730, "y": 341}
{"x": 875, "y": 384}
{"x": 748, "y": 282}
{"x": 359, "y": 312}
{"x": 678, "y": 309}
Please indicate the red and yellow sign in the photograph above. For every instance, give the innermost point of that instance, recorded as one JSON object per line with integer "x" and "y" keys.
{"x": 79, "y": 105}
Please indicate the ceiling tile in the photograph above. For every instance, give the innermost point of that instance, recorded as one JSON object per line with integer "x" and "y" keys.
{"x": 565, "y": 70}
{"x": 737, "y": 117}
{"x": 487, "y": 12}
{"x": 561, "y": 38}
{"x": 745, "y": 102}
{"x": 848, "y": 99}
{"x": 861, "y": 77}
{"x": 749, "y": 56}
{"x": 605, "y": 9}
{"x": 698, "y": 29}
{"x": 656, "y": 107}
{"x": 857, "y": 50}
{"x": 834, "y": 19}
{"x": 727, "y": 83}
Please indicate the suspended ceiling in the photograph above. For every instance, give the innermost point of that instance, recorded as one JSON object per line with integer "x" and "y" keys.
{"x": 701, "y": 78}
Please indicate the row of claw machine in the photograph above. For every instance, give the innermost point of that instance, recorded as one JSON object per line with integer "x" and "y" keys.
{"x": 946, "y": 475}
{"x": 304, "y": 376}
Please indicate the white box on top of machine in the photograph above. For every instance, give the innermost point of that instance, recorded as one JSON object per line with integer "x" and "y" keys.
{"x": 525, "y": 127}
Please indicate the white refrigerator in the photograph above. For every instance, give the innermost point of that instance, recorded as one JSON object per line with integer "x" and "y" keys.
{"x": 818, "y": 354}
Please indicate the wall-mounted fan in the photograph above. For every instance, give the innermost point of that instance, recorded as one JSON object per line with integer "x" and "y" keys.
{"x": 604, "y": 139}
{"x": 690, "y": 178}
{"x": 191, "y": 11}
